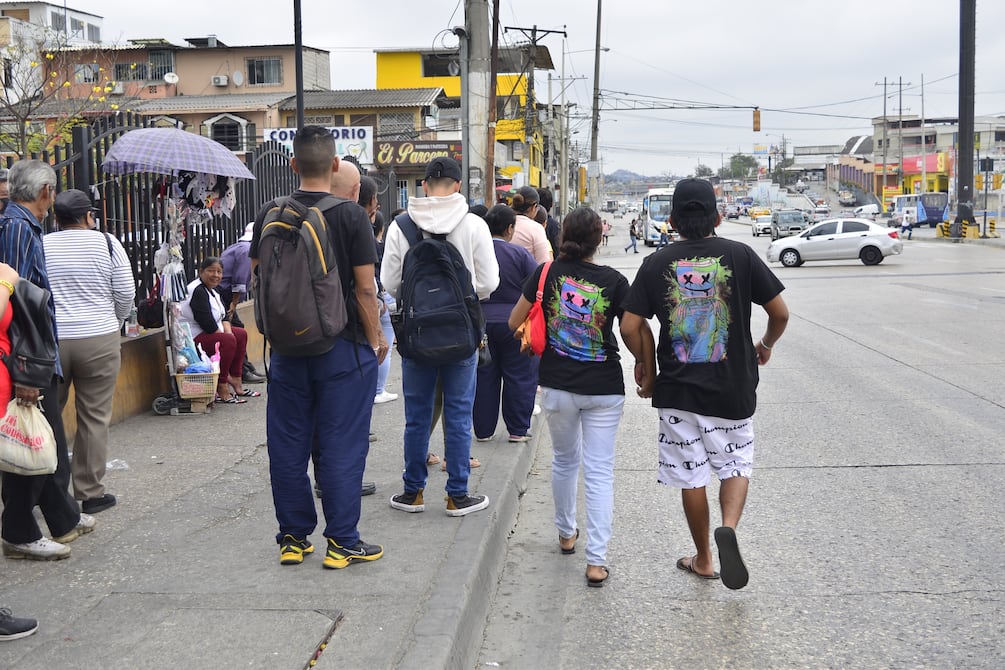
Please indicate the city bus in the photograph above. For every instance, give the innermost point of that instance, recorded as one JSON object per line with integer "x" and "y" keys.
{"x": 656, "y": 211}
{"x": 930, "y": 208}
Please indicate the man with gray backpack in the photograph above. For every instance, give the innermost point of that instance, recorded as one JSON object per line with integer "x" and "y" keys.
{"x": 316, "y": 304}
{"x": 438, "y": 263}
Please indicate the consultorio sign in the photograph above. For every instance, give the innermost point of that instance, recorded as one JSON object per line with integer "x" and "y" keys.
{"x": 356, "y": 141}
{"x": 415, "y": 154}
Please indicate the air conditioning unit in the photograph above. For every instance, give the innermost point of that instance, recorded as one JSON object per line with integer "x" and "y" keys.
{"x": 219, "y": 80}
{"x": 118, "y": 88}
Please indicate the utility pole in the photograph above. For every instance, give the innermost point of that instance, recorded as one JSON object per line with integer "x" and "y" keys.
{"x": 924, "y": 146}
{"x": 462, "y": 34}
{"x": 530, "y": 111}
{"x": 882, "y": 189}
{"x": 476, "y": 18}
{"x": 490, "y": 149}
{"x": 594, "y": 194}
{"x": 298, "y": 51}
{"x": 965, "y": 156}
{"x": 900, "y": 133}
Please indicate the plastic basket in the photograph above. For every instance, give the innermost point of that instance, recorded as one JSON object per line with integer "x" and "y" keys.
{"x": 199, "y": 385}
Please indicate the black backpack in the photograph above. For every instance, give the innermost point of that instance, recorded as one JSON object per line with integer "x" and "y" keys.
{"x": 299, "y": 303}
{"x": 439, "y": 319}
{"x": 32, "y": 358}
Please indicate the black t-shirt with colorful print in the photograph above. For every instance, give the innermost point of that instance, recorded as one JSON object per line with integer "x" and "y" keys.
{"x": 701, "y": 292}
{"x": 580, "y": 302}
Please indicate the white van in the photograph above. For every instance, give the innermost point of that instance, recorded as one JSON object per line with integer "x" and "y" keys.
{"x": 867, "y": 211}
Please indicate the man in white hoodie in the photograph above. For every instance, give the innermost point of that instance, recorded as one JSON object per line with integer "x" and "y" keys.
{"x": 443, "y": 212}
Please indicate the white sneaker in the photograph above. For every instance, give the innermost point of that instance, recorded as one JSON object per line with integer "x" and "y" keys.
{"x": 83, "y": 527}
{"x": 42, "y": 549}
{"x": 383, "y": 397}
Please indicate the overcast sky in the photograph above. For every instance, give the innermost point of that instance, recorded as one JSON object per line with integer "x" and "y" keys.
{"x": 811, "y": 66}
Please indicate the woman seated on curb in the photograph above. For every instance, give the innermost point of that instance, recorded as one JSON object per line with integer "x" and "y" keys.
{"x": 204, "y": 312}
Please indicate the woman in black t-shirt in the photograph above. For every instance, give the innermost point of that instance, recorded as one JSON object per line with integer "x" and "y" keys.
{"x": 583, "y": 391}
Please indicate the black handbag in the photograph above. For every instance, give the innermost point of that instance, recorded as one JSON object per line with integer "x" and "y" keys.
{"x": 150, "y": 313}
{"x": 32, "y": 359}
{"x": 484, "y": 355}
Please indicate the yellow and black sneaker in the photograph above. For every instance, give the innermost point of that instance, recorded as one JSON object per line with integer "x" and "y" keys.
{"x": 338, "y": 556}
{"x": 292, "y": 550}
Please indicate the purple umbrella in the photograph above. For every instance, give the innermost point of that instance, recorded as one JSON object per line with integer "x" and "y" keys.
{"x": 170, "y": 151}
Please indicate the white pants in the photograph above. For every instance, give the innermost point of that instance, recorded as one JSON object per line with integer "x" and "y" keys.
{"x": 584, "y": 430}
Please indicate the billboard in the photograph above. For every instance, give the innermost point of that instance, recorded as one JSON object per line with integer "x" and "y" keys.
{"x": 415, "y": 154}
{"x": 356, "y": 141}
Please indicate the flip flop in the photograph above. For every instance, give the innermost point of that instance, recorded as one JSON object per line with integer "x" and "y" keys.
{"x": 573, "y": 537}
{"x": 596, "y": 584}
{"x": 687, "y": 565}
{"x": 734, "y": 572}
{"x": 231, "y": 400}
{"x": 248, "y": 393}
{"x": 432, "y": 459}
{"x": 473, "y": 463}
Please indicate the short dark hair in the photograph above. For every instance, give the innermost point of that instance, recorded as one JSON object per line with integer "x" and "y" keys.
{"x": 210, "y": 260}
{"x": 314, "y": 149}
{"x": 479, "y": 210}
{"x": 545, "y": 198}
{"x": 499, "y": 218}
{"x": 367, "y": 190}
{"x": 695, "y": 226}
{"x": 582, "y": 232}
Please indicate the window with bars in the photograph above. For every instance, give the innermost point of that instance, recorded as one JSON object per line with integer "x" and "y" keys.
{"x": 396, "y": 126}
{"x": 265, "y": 71}
{"x": 76, "y": 26}
{"x": 85, "y": 73}
{"x": 228, "y": 133}
{"x": 161, "y": 62}
{"x": 58, "y": 21}
{"x": 93, "y": 33}
{"x": 131, "y": 71}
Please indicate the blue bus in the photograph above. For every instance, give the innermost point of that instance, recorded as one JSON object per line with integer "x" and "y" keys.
{"x": 922, "y": 208}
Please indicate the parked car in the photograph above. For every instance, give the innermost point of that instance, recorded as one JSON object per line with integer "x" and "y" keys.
{"x": 821, "y": 212}
{"x": 867, "y": 211}
{"x": 732, "y": 212}
{"x": 761, "y": 225}
{"x": 787, "y": 222}
{"x": 889, "y": 219}
{"x": 847, "y": 198}
{"x": 837, "y": 239}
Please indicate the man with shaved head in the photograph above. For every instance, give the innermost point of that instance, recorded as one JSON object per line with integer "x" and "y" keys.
{"x": 345, "y": 181}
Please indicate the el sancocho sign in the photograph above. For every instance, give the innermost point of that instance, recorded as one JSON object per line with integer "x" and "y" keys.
{"x": 414, "y": 154}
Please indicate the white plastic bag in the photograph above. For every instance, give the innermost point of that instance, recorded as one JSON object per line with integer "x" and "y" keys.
{"x": 27, "y": 446}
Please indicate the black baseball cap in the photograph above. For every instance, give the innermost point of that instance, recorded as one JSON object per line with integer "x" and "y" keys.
{"x": 693, "y": 196}
{"x": 441, "y": 167}
{"x": 72, "y": 204}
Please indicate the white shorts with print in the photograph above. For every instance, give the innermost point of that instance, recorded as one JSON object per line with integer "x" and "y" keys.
{"x": 692, "y": 446}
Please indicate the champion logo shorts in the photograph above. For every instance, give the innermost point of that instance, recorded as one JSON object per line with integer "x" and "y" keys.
{"x": 693, "y": 446}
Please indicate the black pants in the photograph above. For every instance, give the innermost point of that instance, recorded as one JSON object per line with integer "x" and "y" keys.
{"x": 225, "y": 297}
{"x": 50, "y": 492}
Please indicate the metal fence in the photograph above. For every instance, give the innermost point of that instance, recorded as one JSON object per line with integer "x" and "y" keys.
{"x": 131, "y": 207}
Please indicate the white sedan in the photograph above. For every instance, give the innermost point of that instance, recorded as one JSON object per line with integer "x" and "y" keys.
{"x": 837, "y": 239}
{"x": 761, "y": 225}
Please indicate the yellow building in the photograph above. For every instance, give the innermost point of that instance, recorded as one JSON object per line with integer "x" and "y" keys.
{"x": 440, "y": 68}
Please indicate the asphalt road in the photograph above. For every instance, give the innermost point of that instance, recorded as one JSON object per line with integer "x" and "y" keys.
{"x": 873, "y": 529}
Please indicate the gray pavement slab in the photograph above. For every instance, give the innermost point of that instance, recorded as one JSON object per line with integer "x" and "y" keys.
{"x": 184, "y": 571}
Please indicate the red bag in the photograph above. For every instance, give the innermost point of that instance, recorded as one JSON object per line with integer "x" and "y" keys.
{"x": 532, "y": 333}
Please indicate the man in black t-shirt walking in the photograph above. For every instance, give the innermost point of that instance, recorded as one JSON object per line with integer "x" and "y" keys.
{"x": 332, "y": 392}
{"x": 701, "y": 290}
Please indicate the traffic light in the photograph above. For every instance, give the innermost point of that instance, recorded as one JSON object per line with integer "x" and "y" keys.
{"x": 757, "y": 120}
{"x": 979, "y": 182}
{"x": 996, "y": 181}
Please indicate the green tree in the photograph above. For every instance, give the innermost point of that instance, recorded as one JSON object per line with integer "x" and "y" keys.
{"x": 702, "y": 171}
{"x": 742, "y": 165}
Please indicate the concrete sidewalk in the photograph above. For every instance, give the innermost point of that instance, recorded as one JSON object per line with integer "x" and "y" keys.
{"x": 184, "y": 572}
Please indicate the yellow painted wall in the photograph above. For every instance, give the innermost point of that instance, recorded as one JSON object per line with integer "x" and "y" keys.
{"x": 403, "y": 69}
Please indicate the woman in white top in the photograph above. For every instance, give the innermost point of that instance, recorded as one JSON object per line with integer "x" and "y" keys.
{"x": 203, "y": 310}
{"x": 93, "y": 290}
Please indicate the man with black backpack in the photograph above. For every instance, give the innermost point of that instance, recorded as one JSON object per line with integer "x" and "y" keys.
{"x": 438, "y": 263}
{"x": 316, "y": 303}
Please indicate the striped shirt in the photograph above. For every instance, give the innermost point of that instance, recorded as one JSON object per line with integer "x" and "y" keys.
{"x": 92, "y": 282}
{"x": 21, "y": 248}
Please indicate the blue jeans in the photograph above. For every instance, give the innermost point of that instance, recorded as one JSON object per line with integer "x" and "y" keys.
{"x": 584, "y": 429}
{"x": 418, "y": 383}
{"x": 332, "y": 393}
{"x": 511, "y": 375}
{"x": 385, "y": 325}
{"x": 632, "y": 243}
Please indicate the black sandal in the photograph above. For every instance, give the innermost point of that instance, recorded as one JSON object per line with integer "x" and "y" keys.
{"x": 232, "y": 400}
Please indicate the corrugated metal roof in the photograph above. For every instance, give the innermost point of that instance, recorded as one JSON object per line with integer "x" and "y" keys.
{"x": 367, "y": 98}
{"x": 210, "y": 103}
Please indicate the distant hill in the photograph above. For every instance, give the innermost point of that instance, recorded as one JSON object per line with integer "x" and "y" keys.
{"x": 625, "y": 176}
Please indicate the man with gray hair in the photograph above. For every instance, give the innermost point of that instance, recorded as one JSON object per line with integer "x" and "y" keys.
{"x": 32, "y": 192}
